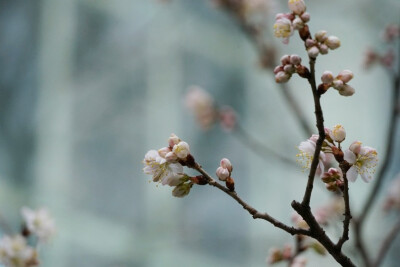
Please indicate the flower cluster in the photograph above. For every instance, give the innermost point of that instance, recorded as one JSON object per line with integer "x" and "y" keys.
{"x": 339, "y": 82}
{"x": 15, "y": 250}
{"x": 321, "y": 44}
{"x": 206, "y": 112}
{"x": 333, "y": 179}
{"x": 361, "y": 159}
{"x": 286, "y": 23}
{"x": 166, "y": 165}
{"x": 224, "y": 172}
{"x": 289, "y": 65}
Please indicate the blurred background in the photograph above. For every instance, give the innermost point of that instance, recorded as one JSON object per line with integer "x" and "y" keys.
{"x": 89, "y": 86}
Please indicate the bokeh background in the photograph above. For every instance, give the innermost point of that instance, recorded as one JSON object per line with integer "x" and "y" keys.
{"x": 87, "y": 87}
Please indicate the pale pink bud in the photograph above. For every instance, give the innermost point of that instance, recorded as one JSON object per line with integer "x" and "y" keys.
{"x": 222, "y": 173}
{"x": 347, "y": 90}
{"x": 295, "y": 60}
{"x": 337, "y": 84}
{"x": 305, "y": 17}
{"x": 225, "y": 163}
{"x": 171, "y": 157}
{"x": 345, "y": 76}
{"x": 332, "y": 42}
{"x": 289, "y": 69}
{"x": 310, "y": 43}
{"x": 274, "y": 256}
{"x": 297, "y": 6}
{"x": 327, "y": 77}
{"x": 355, "y": 147}
{"x": 163, "y": 151}
{"x": 313, "y": 52}
{"x": 320, "y": 36}
{"x": 278, "y": 69}
{"x": 323, "y": 49}
{"x": 338, "y": 133}
{"x": 173, "y": 140}
{"x": 181, "y": 150}
{"x": 297, "y": 23}
{"x": 227, "y": 117}
{"x": 285, "y": 60}
{"x": 287, "y": 252}
{"x": 282, "y": 77}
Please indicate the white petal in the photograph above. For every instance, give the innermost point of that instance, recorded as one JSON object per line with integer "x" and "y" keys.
{"x": 352, "y": 174}
{"x": 349, "y": 156}
{"x": 366, "y": 177}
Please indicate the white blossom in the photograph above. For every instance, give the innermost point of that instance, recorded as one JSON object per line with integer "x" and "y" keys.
{"x": 283, "y": 29}
{"x": 306, "y": 155}
{"x": 39, "y": 222}
{"x": 181, "y": 150}
{"x": 297, "y": 6}
{"x": 14, "y": 252}
{"x": 363, "y": 163}
{"x": 161, "y": 170}
{"x": 338, "y": 133}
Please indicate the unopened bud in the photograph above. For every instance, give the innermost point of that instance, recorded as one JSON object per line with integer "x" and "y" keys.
{"x": 282, "y": 77}
{"x": 295, "y": 60}
{"x": 285, "y": 60}
{"x": 305, "y": 17}
{"x": 332, "y": 42}
{"x": 173, "y": 140}
{"x": 278, "y": 69}
{"x": 355, "y": 147}
{"x": 327, "y": 77}
{"x": 320, "y": 36}
{"x": 310, "y": 43}
{"x": 313, "y": 52}
{"x": 323, "y": 49}
{"x": 297, "y": 6}
{"x": 222, "y": 173}
{"x": 171, "y": 157}
{"x": 337, "y": 84}
{"x": 289, "y": 69}
{"x": 225, "y": 163}
{"x": 181, "y": 150}
{"x": 338, "y": 133}
{"x": 347, "y": 90}
{"x": 182, "y": 190}
{"x": 345, "y": 76}
{"x": 297, "y": 23}
{"x": 163, "y": 151}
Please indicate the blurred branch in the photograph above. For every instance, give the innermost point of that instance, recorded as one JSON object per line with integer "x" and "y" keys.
{"x": 387, "y": 242}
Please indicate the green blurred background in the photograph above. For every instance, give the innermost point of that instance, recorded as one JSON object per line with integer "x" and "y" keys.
{"x": 89, "y": 86}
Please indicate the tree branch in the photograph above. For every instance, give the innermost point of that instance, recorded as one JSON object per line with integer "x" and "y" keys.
{"x": 256, "y": 214}
{"x": 347, "y": 213}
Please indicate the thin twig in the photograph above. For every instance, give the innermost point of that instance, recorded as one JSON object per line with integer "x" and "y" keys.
{"x": 347, "y": 213}
{"x": 387, "y": 242}
{"x": 256, "y": 214}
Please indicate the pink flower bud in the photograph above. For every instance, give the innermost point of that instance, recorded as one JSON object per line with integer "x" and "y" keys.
{"x": 323, "y": 49}
{"x": 345, "y": 76}
{"x": 282, "y": 77}
{"x": 347, "y": 90}
{"x": 327, "y": 77}
{"x": 297, "y": 6}
{"x": 225, "y": 163}
{"x": 278, "y": 69}
{"x": 295, "y": 60}
{"x": 310, "y": 43}
{"x": 222, "y": 173}
{"x": 305, "y": 17}
{"x": 332, "y": 42}
{"x": 337, "y": 84}
{"x": 285, "y": 60}
{"x": 355, "y": 147}
{"x": 313, "y": 52}
{"x": 289, "y": 69}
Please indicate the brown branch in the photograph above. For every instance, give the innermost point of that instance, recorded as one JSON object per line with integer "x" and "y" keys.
{"x": 321, "y": 131}
{"x": 387, "y": 242}
{"x": 347, "y": 213}
{"x": 256, "y": 214}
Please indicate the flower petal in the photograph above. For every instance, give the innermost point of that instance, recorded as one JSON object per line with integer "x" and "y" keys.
{"x": 366, "y": 177}
{"x": 350, "y": 157}
{"x": 352, "y": 174}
